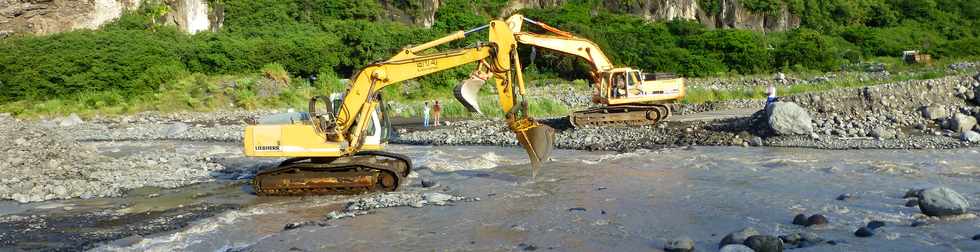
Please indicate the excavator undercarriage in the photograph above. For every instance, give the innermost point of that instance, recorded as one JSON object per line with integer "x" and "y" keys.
{"x": 623, "y": 115}
{"x": 366, "y": 171}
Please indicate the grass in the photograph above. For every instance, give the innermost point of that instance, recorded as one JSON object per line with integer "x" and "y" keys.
{"x": 195, "y": 92}
{"x": 901, "y": 72}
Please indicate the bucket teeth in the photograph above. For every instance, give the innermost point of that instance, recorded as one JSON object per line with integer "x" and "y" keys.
{"x": 467, "y": 92}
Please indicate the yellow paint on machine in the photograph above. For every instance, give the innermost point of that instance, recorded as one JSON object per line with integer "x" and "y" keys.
{"x": 291, "y": 140}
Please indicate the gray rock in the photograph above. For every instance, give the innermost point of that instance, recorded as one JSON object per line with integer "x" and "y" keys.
{"x": 816, "y": 219}
{"x": 934, "y": 112}
{"x": 913, "y": 193}
{"x": 71, "y": 120}
{"x": 970, "y": 136}
{"x": 735, "y": 248}
{"x": 177, "y": 128}
{"x": 787, "y": 118}
{"x": 864, "y": 232}
{"x": 738, "y": 237}
{"x": 912, "y": 203}
{"x": 962, "y": 123}
{"x": 764, "y": 243}
{"x": 791, "y": 239}
{"x": 883, "y": 133}
{"x": 800, "y": 219}
{"x": 875, "y": 224}
{"x": 681, "y": 244}
{"x": 438, "y": 199}
{"x": 429, "y": 183}
{"x": 942, "y": 201}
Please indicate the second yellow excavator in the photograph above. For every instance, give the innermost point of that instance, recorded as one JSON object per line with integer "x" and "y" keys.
{"x": 625, "y": 96}
{"x": 339, "y": 150}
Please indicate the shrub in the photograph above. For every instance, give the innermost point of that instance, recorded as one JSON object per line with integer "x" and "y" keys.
{"x": 275, "y": 72}
{"x": 808, "y": 48}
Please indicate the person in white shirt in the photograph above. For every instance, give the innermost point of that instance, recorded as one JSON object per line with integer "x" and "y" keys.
{"x": 771, "y": 91}
{"x": 425, "y": 115}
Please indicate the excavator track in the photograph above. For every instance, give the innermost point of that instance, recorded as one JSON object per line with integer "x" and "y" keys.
{"x": 364, "y": 172}
{"x": 621, "y": 115}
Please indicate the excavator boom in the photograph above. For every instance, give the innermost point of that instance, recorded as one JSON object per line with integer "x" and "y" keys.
{"x": 338, "y": 151}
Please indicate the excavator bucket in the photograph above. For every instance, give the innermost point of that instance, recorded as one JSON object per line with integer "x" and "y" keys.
{"x": 537, "y": 139}
{"x": 467, "y": 92}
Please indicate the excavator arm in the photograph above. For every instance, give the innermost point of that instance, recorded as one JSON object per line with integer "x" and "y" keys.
{"x": 626, "y": 95}
{"x": 408, "y": 64}
{"x": 329, "y": 153}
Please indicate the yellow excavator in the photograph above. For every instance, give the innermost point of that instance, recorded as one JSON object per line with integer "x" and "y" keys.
{"x": 337, "y": 147}
{"x": 625, "y": 96}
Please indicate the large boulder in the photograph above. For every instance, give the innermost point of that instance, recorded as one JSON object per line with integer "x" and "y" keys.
{"x": 934, "y": 112}
{"x": 71, "y": 120}
{"x": 962, "y": 123}
{"x": 764, "y": 243}
{"x": 883, "y": 133}
{"x": 735, "y": 248}
{"x": 787, "y": 118}
{"x": 738, "y": 237}
{"x": 970, "y": 136}
{"x": 942, "y": 201}
{"x": 177, "y": 128}
{"x": 681, "y": 244}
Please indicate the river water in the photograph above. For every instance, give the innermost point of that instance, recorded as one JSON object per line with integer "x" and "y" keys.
{"x": 589, "y": 201}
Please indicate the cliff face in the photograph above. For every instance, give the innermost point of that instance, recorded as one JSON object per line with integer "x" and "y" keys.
{"x": 53, "y": 16}
{"x": 731, "y": 15}
{"x": 734, "y": 15}
{"x": 423, "y": 14}
{"x": 191, "y": 16}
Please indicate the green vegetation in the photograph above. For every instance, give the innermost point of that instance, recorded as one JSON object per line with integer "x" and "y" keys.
{"x": 848, "y": 80}
{"x": 267, "y": 50}
{"x": 833, "y": 33}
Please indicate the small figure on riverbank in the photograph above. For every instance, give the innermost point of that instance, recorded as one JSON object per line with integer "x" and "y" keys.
{"x": 436, "y": 110}
{"x": 425, "y": 114}
{"x": 771, "y": 95}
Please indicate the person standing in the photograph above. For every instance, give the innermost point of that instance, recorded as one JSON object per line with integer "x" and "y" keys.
{"x": 436, "y": 110}
{"x": 771, "y": 91}
{"x": 425, "y": 114}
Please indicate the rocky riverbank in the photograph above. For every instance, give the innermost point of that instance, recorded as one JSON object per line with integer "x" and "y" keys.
{"x": 69, "y": 157}
{"x": 911, "y": 114}
{"x": 45, "y": 160}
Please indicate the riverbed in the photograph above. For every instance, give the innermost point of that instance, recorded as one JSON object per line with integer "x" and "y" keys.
{"x": 580, "y": 201}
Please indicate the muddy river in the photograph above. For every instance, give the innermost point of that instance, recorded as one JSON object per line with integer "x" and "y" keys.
{"x": 581, "y": 201}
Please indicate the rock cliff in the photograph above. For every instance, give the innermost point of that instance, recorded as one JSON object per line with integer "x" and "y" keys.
{"x": 731, "y": 13}
{"x": 53, "y": 16}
